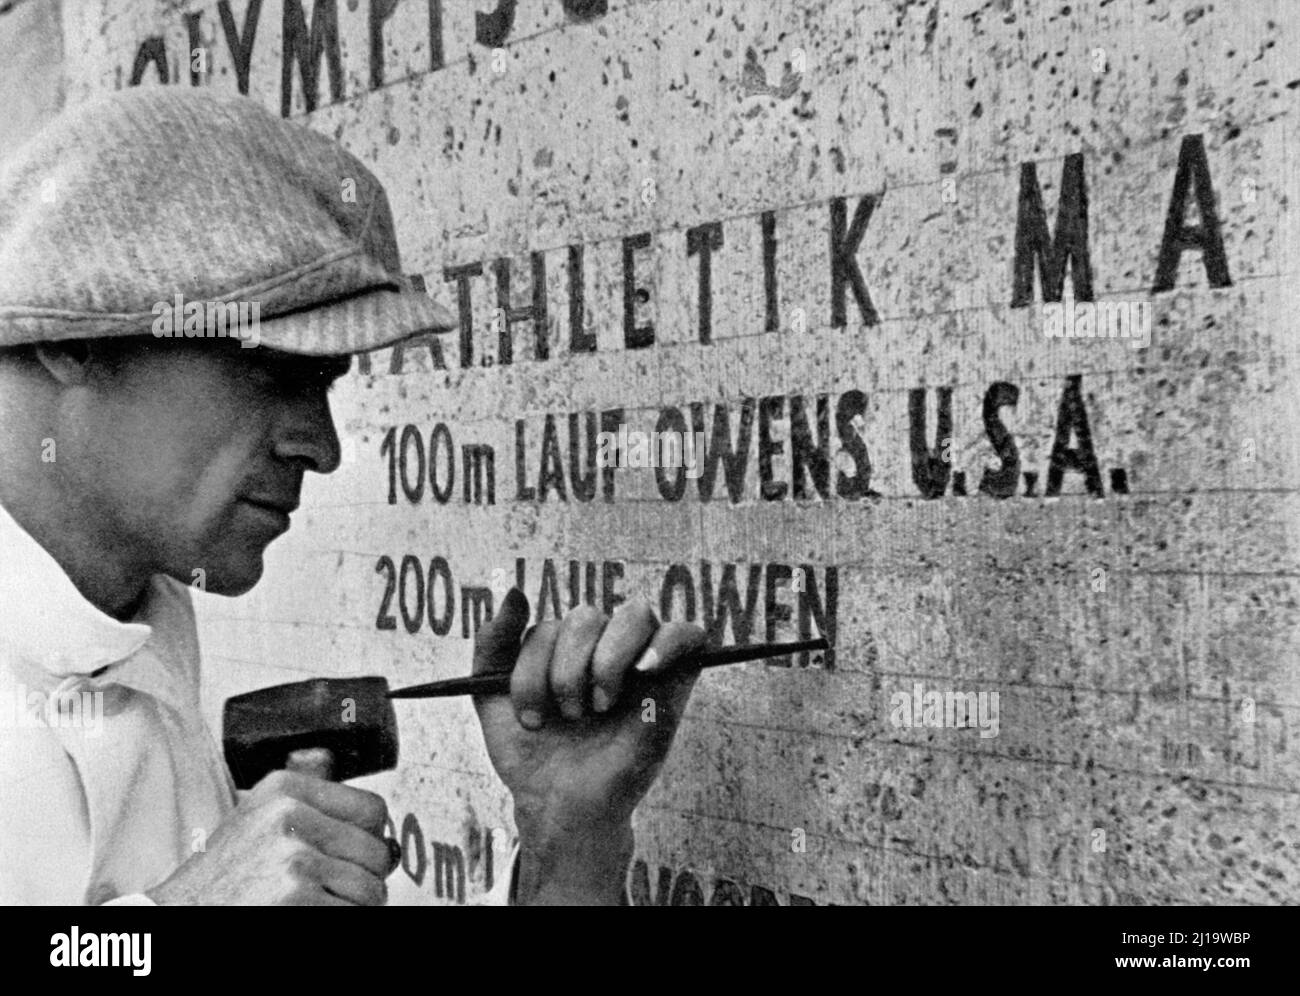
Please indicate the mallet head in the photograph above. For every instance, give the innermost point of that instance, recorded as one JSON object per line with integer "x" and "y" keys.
{"x": 351, "y": 717}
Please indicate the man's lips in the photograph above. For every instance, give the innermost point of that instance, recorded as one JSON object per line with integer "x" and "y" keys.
{"x": 278, "y": 508}
{"x": 288, "y": 504}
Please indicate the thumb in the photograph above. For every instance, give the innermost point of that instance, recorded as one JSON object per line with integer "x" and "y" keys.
{"x": 655, "y": 713}
{"x": 315, "y": 761}
{"x": 497, "y": 644}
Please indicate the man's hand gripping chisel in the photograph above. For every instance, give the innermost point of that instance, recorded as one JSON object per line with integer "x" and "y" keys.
{"x": 353, "y": 717}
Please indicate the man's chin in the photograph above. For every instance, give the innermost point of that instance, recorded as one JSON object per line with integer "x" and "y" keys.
{"x": 238, "y": 587}
{"x": 231, "y": 580}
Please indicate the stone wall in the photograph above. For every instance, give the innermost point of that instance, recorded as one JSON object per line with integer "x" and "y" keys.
{"x": 865, "y": 249}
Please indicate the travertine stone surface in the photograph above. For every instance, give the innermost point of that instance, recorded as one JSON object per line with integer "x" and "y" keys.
{"x": 1140, "y": 634}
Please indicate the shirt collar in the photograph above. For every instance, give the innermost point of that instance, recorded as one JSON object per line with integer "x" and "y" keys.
{"x": 50, "y": 623}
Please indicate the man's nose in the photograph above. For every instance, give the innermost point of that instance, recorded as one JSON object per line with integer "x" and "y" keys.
{"x": 307, "y": 436}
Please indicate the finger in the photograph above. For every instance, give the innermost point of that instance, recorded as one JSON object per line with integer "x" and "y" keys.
{"x": 570, "y": 667}
{"x": 672, "y": 642}
{"x": 317, "y": 762}
{"x": 394, "y": 854}
{"x": 667, "y": 694}
{"x": 342, "y": 840}
{"x": 530, "y": 681}
{"x": 319, "y": 897}
{"x": 668, "y": 684}
{"x": 310, "y": 893}
{"x": 629, "y": 630}
{"x": 343, "y": 802}
{"x": 497, "y": 644}
{"x": 349, "y": 882}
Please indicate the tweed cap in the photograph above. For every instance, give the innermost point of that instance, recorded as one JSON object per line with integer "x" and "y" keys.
{"x": 130, "y": 200}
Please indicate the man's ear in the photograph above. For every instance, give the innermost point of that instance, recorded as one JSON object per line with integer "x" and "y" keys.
{"x": 68, "y": 361}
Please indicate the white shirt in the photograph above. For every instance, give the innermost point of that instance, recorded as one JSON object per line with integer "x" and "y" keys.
{"x": 104, "y": 796}
{"x": 110, "y": 806}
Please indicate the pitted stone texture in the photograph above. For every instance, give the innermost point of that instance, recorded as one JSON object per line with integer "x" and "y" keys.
{"x": 1123, "y": 695}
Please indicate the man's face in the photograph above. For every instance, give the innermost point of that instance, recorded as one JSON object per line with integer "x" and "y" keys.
{"x": 195, "y": 452}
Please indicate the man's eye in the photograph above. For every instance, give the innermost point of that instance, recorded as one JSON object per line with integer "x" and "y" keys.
{"x": 289, "y": 378}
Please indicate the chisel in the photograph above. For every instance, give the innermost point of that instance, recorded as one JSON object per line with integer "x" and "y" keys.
{"x": 353, "y": 717}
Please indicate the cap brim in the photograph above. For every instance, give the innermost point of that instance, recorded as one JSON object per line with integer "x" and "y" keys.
{"x": 358, "y": 324}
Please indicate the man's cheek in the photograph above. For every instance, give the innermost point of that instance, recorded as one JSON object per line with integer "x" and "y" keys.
{"x": 209, "y": 509}
{"x": 217, "y": 546}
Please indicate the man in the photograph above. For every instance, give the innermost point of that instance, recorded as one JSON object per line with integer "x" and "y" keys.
{"x": 136, "y": 451}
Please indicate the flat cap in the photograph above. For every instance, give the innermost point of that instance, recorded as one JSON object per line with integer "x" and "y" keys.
{"x": 149, "y": 196}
